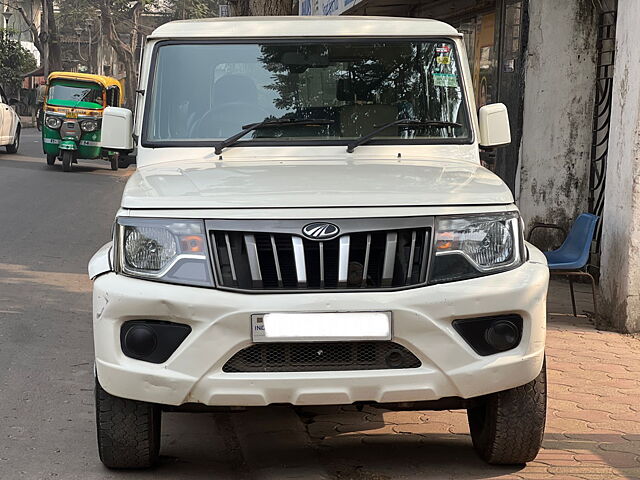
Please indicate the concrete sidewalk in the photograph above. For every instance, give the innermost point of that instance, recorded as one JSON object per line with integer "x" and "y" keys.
{"x": 593, "y": 418}
{"x": 26, "y": 122}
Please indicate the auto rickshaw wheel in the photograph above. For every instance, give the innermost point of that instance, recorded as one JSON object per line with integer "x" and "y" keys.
{"x": 114, "y": 162}
{"x": 67, "y": 160}
{"x": 51, "y": 158}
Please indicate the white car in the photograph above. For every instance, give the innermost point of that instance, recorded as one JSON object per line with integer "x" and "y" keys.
{"x": 310, "y": 224}
{"x": 9, "y": 124}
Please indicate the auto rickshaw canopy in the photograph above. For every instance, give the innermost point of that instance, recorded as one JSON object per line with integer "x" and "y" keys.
{"x": 102, "y": 80}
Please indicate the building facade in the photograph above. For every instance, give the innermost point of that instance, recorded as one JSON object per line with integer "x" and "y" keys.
{"x": 554, "y": 65}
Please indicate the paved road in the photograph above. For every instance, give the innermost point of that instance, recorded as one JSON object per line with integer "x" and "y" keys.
{"x": 50, "y": 225}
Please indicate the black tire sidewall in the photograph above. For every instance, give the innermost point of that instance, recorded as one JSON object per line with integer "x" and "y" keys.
{"x": 113, "y": 419}
{"x": 67, "y": 160}
{"x": 13, "y": 148}
{"x": 496, "y": 430}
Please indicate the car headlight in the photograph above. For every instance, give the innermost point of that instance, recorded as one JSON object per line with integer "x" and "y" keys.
{"x": 173, "y": 251}
{"x": 89, "y": 126}
{"x": 472, "y": 246}
{"x": 53, "y": 122}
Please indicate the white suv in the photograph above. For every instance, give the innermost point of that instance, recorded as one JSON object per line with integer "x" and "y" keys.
{"x": 9, "y": 124}
{"x": 310, "y": 224}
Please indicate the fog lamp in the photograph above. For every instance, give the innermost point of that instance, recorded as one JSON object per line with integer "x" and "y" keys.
{"x": 502, "y": 335}
{"x": 141, "y": 340}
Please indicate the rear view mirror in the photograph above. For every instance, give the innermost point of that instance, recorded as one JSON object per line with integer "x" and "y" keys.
{"x": 117, "y": 129}
{"x": 494, "y": 125}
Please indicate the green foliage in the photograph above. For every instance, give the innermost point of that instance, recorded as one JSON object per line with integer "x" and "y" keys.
{"x": 14, "y": 60}
{"x": 74, "y": 13}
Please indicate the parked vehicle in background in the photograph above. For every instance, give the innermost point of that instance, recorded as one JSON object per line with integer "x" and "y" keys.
{"x": 310, "y": 224}
{"x": 9, "y": 124}
{"x": 72, "y": 124}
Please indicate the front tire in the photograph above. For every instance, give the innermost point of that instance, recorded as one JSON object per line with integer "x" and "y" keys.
{"x": 67, "y": 160}
{"x": 51, "y": 159}
{"x": 114, "y": 162}
{"x": 13, "y": 148}
{"x": 128, "y": 431}
{"x": 507, "y": 427}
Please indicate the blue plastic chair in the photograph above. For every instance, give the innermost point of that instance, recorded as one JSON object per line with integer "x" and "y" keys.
{"x": 572, "y": 258}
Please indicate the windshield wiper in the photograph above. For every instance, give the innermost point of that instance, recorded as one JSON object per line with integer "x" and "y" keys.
{"x": 267, "y": 123}
{"x": 403, "y": 122}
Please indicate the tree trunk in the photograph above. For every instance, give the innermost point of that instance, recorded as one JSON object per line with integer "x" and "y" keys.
{"x": 262, "y": 7}
{"x": 46, "y": 37}
{"x": 35, "y": 34}
{"x": 124, "y": 53}
{"x": 55, "y": 53}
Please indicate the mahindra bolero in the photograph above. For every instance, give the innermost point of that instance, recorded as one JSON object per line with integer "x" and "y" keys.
{"x": 310, "y": 224}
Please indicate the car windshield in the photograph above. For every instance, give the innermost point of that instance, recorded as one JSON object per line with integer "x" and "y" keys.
{"x": 205, "y": 92}
{"x": 75, "y": 94}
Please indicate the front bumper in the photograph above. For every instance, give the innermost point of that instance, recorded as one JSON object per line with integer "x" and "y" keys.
{"x": 220, "y": 323}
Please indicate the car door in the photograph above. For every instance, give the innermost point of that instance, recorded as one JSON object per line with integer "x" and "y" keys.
{"x": 5, "y": 119}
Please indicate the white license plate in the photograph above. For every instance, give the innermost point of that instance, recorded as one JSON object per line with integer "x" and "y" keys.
{"x": 317, "y": 327}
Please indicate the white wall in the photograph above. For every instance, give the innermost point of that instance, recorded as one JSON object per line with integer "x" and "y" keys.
{"x": 620, "y": 261}
{"x": 560, "y": 72}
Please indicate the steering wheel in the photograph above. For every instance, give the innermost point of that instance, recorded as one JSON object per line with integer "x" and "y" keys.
{"x": 227, "y": 119}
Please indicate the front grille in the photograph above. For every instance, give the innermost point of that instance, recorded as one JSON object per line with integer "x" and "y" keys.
{"x": 273, "y": 255}
{"x": 321, "y": 357}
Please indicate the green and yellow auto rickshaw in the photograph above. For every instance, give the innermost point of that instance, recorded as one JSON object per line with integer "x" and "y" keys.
{"x": 73, "y": 108}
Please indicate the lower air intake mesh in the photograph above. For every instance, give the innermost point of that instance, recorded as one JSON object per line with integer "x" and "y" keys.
{"x": 321, "y": 357}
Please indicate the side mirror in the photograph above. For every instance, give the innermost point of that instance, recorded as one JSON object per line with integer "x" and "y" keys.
{"x": 494, "y": 125}
{"x": 117, "y": 129}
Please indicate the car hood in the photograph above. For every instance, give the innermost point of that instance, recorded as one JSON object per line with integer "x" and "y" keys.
{"x": 312, "y": 183}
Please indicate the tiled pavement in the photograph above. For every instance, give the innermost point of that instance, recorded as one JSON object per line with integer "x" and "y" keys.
{"x": 593, "y": 417}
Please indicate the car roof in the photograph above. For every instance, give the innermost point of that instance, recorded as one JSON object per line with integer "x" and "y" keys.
{"x": 303, "y": 26}
{"x": 86, "y": 77}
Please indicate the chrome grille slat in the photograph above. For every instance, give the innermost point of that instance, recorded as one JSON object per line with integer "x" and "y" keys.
{"x": 365, "y": 267}
{"x": 423, "y": 266}
{"x": 276, "y": 257}
{"x": 411, "y": 255}
{"x": 231, "y": 264}
{"x": 389, "y": 258}
{"x": 254, "y": 262}
{"x": 298, "y": 255}
{"x": 276, "y": 260}
{"x": 321, "y": 253}
{"x": 343, "y": 260}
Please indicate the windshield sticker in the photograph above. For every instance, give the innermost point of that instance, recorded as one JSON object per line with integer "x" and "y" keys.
{"x": 443, "y": 55}
{"x": 445, "y": 80}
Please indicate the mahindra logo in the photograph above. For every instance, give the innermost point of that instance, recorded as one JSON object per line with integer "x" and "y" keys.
{"x": 320, "y": 231}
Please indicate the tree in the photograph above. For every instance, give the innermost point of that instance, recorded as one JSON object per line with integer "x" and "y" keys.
{"x": 45, "y": 36}
{"x": 183, "y": 9}
{"x": 14, "y": 61}
{"x": 115, "y": 12}
{"x": 263, "y": 7}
